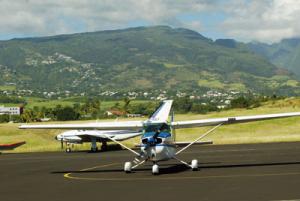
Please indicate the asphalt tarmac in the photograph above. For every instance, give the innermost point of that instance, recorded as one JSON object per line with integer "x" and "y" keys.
{"x": 227, "y": 172}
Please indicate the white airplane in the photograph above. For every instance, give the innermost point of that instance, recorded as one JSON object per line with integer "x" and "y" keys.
{"x": 80, "y": 136}
{"x": 157, "y": 139}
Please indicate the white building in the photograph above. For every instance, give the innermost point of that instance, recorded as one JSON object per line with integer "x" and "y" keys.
{"x": 10, "y": 110}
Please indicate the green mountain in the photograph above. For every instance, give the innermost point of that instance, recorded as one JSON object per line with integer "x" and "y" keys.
{"x": 285, "y": 54}
{"x": 142, "y": 58}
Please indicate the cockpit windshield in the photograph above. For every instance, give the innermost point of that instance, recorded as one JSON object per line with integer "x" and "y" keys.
{"x": 157, "y": 127}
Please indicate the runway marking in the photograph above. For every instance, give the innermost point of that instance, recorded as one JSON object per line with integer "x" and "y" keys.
{"x": 69, "y": 176}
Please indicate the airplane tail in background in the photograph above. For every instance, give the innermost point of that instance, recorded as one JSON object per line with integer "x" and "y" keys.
{"x": 162, "y": 113}
{"x": 11, "y": 146}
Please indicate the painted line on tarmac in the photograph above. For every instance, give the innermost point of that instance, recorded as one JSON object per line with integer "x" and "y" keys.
{"x": 67, "y": 175}
{"x": 70, "y": 176}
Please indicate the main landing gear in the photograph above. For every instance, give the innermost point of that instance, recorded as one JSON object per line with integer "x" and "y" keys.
{"x": 155, "y": 169}
{"x": 128, "y": 167}
{"x": 194, "y": 165}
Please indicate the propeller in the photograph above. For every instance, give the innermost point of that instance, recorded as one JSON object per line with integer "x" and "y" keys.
{"x": 153, "y": 140}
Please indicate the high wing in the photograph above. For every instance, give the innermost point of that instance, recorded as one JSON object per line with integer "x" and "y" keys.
{"x": 11, "y": 146}
{"x": 160, "y": 115}
{"x": 117, "y": 125}
{"x": 230, "y": 120}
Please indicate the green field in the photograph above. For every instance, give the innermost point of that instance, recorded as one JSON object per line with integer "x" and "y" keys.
{"x": 276, "y": 130}
{"x": 7, "y": 88}
{"x": 48, "y": 103}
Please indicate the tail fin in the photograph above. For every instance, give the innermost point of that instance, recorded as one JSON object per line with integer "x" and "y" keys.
{"x": 162, "y": 113}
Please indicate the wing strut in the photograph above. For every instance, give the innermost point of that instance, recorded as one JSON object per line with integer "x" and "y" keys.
{"x": 199, "y": 138}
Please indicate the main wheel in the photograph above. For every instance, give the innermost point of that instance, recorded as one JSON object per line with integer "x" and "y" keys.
{"x": 127, "y": 167}
{"x": 155, "y": 169}
{"x": 194, "y": 165}
{"x": 68, "y": 150}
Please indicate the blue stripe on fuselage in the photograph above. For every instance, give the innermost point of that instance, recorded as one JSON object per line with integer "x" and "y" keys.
{"x": 160, "y": 145}
{"x": 161, "y": 134}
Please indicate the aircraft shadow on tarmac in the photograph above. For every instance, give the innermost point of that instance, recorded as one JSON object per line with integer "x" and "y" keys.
{"x": 163, "y": 170}
{"x": 177, "y": 168}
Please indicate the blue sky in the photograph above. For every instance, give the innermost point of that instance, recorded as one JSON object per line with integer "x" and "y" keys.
{"x": 244, "y": 20}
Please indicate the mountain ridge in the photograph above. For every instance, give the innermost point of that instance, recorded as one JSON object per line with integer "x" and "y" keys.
{"x": 142, "y": 58}
{"x": 284, "y": 54}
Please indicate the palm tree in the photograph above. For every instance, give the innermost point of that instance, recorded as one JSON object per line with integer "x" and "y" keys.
{"x": 126, "y": 104}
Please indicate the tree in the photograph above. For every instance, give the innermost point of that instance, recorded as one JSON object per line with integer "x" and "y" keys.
{"x": 67, "y": 113}
{"x": 126, "y": 104}
{"x": 28, "y": 116}
{"x": 4, "y": 118}
{"x": 183, "y": 105}
{"x": 202, "y": 109}
{"x": 245, "y": 102}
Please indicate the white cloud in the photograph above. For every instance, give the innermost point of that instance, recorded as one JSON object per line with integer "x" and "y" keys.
{"x": 194, "y": 25}
{"x": 263, "y": 20}
{"x": 62, "y": 16}
{"x": 267, "y": 21}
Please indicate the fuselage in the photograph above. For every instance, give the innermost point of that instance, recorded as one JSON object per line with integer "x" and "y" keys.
{"x": 157, "y": 142}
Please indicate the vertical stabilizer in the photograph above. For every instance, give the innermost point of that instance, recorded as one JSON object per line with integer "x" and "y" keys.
{"x": 162, "y": 113}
